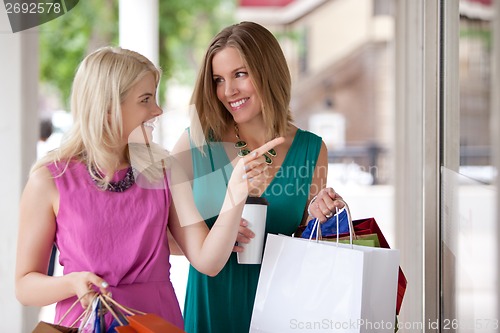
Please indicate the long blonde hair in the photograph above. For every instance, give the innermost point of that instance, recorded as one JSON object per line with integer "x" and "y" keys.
{"x": 268, "y": 70}
{"x": 102, "y": 81}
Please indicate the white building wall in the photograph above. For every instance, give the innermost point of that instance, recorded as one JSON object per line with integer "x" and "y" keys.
{"x": 352, "y": 20}
{"x": 18, "y": 136}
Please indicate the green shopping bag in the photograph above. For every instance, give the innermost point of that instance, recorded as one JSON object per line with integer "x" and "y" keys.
{"x": 370, "y": 240}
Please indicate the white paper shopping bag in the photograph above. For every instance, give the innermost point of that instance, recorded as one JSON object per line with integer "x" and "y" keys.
{"x": 310, "y": 286}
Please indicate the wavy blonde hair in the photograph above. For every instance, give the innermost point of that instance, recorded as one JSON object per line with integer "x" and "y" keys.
{"x": 101, "y": 83}
{"x": 268, "y": 70}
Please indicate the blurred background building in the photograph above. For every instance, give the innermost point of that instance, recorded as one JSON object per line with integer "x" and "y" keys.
{"x": 342, "y": 60}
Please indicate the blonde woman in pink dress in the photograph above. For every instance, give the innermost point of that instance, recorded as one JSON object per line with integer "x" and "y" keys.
{"x": 107, "y": 213}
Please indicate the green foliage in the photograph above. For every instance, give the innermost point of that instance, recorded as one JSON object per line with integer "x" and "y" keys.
{"x": 186, "y": 28}
{"x": 65, "y": 41}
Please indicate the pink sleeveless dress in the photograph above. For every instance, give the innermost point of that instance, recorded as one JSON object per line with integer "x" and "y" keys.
{"x": 118, "y": 236}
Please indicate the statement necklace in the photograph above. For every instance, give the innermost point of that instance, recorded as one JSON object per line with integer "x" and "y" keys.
{"x": 119, "y": 186}
{"x": 242, "y": 146}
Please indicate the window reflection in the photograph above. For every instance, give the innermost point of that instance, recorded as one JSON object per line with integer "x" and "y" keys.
{"x": 469, "y": 213}
{"x": 469, "y": 253}
{"x": 475, "y": 52}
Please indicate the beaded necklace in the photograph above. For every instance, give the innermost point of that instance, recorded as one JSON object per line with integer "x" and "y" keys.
{"x": 119, "y": 186}
{"x": 242, "y": 146}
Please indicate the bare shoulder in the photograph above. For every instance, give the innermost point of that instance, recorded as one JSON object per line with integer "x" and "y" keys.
{"x": 41, "y": 181}
{"x": 40, "y": 193}
{"x": 41, "y": 176}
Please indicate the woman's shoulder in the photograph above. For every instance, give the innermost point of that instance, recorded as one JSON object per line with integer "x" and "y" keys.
{"x": 42, "y": 172}
{"x": 42, "y": 179}
{"x": 306, "y": 137}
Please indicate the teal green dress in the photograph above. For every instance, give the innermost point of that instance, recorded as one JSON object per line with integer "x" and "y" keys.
{"x": 224, "y": 303}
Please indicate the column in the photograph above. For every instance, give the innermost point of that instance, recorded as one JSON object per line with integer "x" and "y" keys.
{"x": 495, "y": 127}
{"x": 18, "y": 135}
{"x": 139, "y": 30}
{"x": 417, "y": 159}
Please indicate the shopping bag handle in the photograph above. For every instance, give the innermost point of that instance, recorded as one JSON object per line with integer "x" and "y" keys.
{"x": 352, "y": 233}
{"x": 73, "y": 305}
{"x": 86, "y": 315}
{"x": 117, "y": 310}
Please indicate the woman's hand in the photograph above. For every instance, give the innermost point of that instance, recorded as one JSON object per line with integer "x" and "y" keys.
{"x": 249, "y": 173}
{"x": 244, "y": 236}
{"x": 323, "y": 205}
{"x": 86, "y": 284}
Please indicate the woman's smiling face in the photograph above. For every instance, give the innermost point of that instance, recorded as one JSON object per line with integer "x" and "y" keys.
{"x": 140, "y": 107}
{"x": 234, "y": 87}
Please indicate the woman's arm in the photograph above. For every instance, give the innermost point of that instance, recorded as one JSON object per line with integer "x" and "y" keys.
{"x": 181, "y": 153}
{"x": 38, "y": 208}
{"x": 209, "y": 250}
{"x": 322, "y": 200}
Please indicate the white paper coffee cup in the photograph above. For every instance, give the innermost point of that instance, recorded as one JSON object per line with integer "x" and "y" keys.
{"x": 255, "y": 213}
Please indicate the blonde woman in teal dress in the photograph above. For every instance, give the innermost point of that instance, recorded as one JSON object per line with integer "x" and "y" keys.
{"x": 242, "y": 98}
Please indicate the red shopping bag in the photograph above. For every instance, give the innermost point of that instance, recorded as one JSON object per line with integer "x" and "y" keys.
{"x": 125, "y": 329}
{"x": 151, "y": 323}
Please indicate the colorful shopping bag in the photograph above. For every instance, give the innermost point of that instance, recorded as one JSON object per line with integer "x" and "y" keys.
{"x": 363, "y": 240}
{"x": 44, "y": 327}
{"x": 125, "y": 329}
{"x": 328, "y": 228}
{"x": 133, "y": 321}
{"x": 151, "y": 323}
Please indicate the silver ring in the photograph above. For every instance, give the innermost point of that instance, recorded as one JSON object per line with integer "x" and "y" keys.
{"x": 329, "y": 215}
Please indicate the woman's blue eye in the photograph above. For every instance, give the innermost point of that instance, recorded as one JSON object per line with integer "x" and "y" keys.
{"x": 240, "y": 74}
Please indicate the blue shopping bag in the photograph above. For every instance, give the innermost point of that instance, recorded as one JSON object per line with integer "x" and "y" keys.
{"x": 329, "y": 228}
